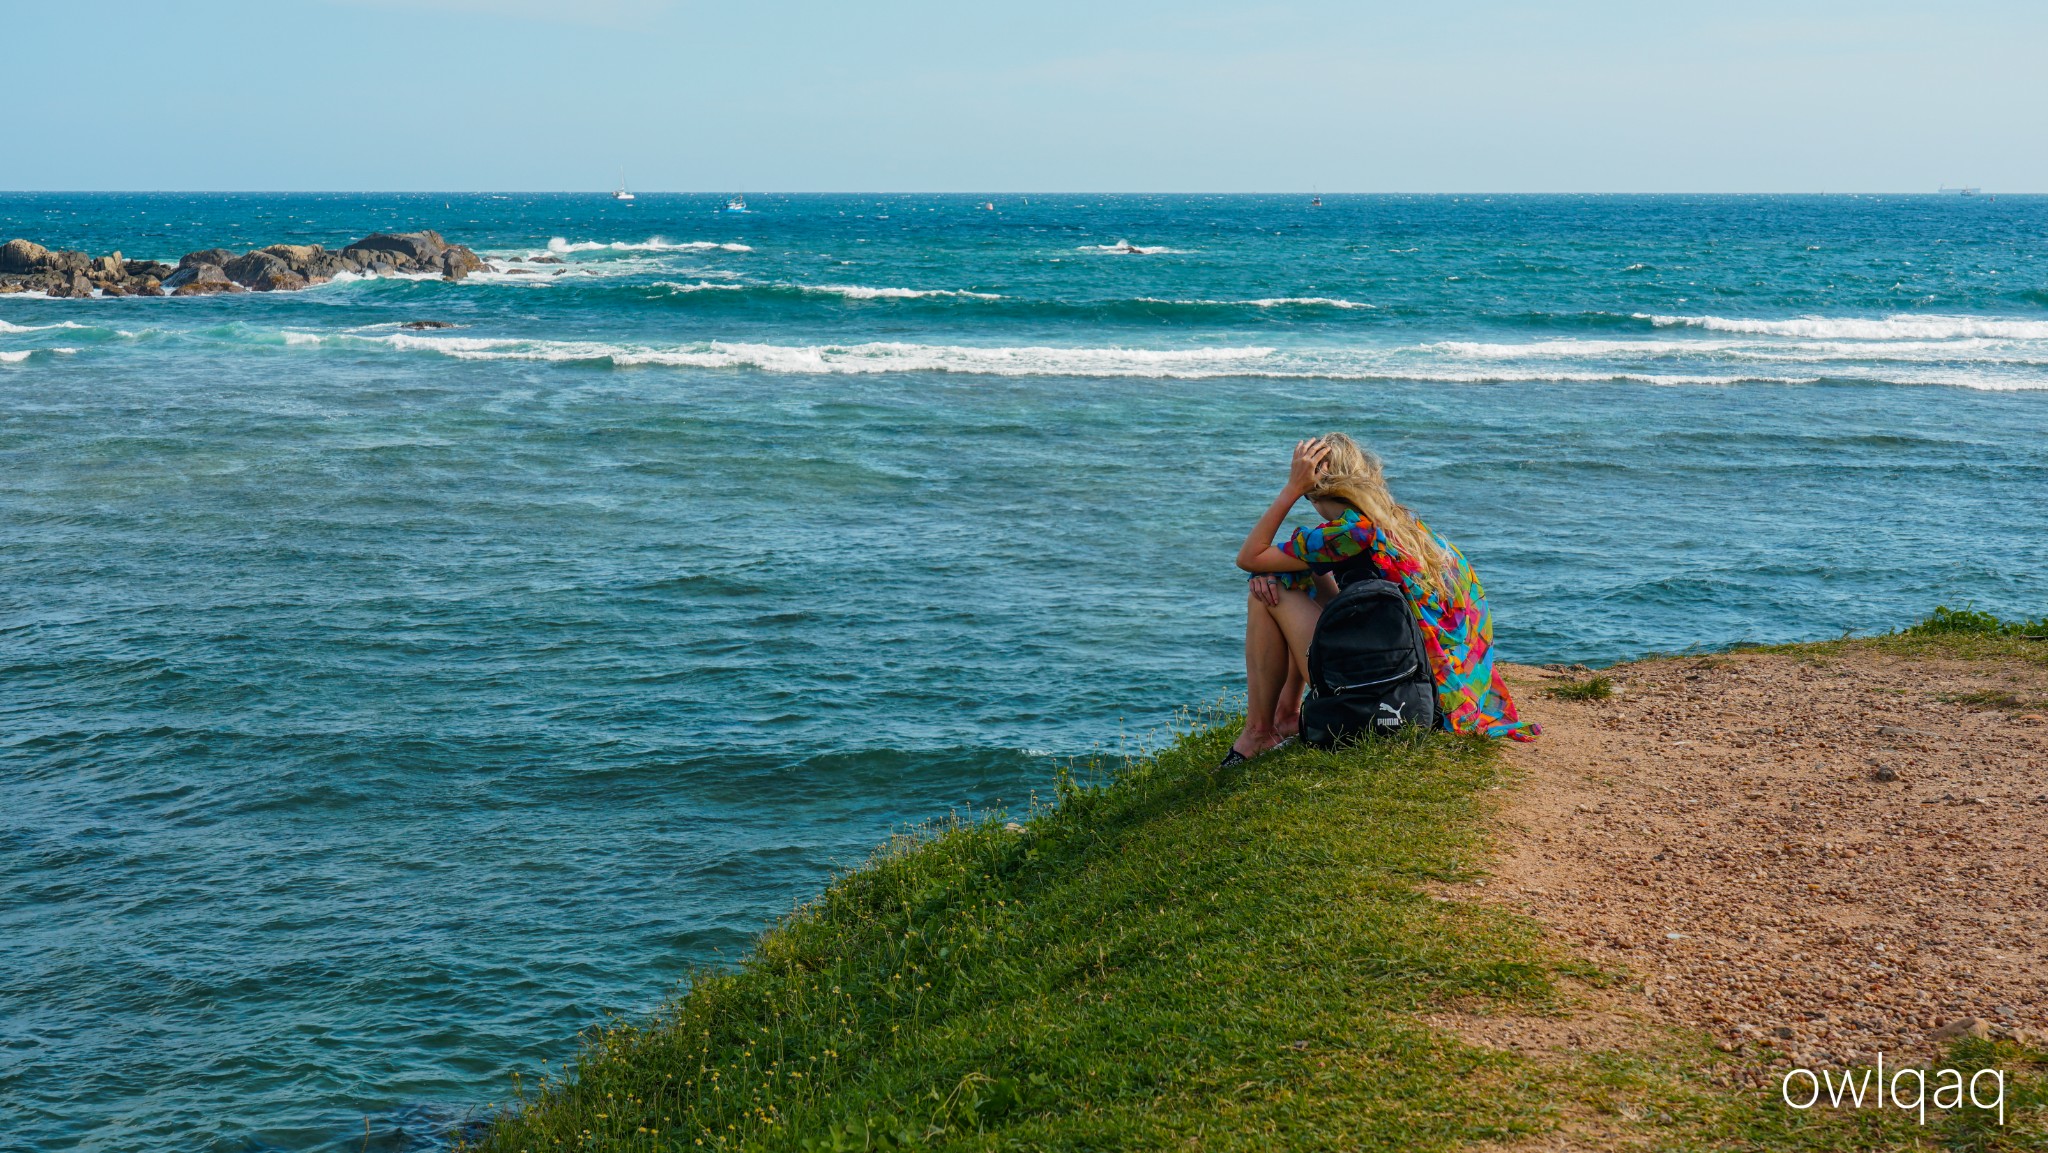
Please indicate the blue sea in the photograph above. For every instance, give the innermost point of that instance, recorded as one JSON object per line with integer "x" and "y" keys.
{"x": 380, "y": 707}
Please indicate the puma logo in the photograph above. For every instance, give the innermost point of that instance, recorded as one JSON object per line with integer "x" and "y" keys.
{"x": 1392, "y": 721}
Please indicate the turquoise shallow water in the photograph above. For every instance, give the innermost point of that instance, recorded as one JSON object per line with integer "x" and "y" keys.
{"x": 383, "y": 707}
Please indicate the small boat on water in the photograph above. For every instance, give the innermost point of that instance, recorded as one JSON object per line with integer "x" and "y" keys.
{"x": 1947, "y": 191}
{"x": 737, "y": 204}
{"x": 620, "y": 192}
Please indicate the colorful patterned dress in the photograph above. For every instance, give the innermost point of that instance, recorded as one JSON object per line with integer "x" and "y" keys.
{"x": 1457, "y": 630}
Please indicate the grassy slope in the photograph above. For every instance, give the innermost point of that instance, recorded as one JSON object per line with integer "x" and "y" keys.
{"x": 1177, "y": 958}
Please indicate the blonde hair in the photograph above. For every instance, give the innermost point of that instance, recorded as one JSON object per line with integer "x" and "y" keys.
{"x": 1354, "y": 476}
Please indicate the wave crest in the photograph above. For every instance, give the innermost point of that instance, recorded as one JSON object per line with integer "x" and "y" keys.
{"x": 1898, "y": 327}
{"x": 562, "y": 246}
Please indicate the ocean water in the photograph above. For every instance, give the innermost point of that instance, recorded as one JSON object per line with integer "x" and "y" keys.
{"x": 380, "y": 707}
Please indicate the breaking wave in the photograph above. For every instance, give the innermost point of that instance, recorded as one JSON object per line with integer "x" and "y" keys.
{"x": 863, "y": 292}
{"x": 563, "y": 246}
{"x": 1126, "y": 248}
{"x": 6, "y": 326}
{"x": 1449, "y": 362}
{"x": 1904, "y": 327}
{"x": 1266, "y": 302}
{"x": 1036, "y": 360}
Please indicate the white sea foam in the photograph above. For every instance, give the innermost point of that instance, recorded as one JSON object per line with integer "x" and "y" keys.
{"x": 858, "y": 358}
{"x": 16, "y": 357}
{"x": 1165, "y": 364}
{"x": 1903, "y": 327}
{"x": 1654, "y": 362}
{"x": 863, "y": 292}
{"x": 562, "y": 246}
{"x": 1307, "y": 301}
{"x": 1126, "y": 248}
{"x": 698, "y": 286}
{"x": 1266, "y": 302}
{"x": 7, "y": 327}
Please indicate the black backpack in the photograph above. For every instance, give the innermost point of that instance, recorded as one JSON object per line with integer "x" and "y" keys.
{"x": 1367, "y": 670}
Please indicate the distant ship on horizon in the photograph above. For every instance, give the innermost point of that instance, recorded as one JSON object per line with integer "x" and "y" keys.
{"x": 1963, "y": 191}
{"x": 620, "y": 192}
{"x": 737, "y": 204}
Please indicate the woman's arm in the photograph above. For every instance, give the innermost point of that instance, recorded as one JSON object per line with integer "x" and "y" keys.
{"x": 1257, "y": 553}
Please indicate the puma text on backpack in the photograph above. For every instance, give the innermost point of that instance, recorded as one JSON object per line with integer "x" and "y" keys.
{"x": 1367, "y": 670}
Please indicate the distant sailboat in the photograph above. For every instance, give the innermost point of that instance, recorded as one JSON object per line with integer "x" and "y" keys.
{"x": 737, "y": 204}
{"x": 620, "y": 192}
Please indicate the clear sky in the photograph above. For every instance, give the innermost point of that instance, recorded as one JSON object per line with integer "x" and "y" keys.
{"x": 1027, "y": 95}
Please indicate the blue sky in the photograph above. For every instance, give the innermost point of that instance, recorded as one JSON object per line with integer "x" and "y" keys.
{"x": 1024, "y": 96}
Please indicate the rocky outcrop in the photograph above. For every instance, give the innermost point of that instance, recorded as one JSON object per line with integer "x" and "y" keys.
{"x": 21, "y": 256}
{"x": 29, "y": 267}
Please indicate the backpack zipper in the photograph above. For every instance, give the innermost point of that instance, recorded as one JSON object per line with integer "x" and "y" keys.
{"x": 1404, "y": 674}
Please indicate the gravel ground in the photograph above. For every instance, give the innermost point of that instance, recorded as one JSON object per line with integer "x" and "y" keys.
{"x": 1813, "y": 858}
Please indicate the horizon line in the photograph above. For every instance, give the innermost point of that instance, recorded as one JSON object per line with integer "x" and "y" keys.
{"x": 1940, "y": 191}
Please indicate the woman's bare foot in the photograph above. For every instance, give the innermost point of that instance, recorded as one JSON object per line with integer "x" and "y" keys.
{"x": 1287, "y": 727}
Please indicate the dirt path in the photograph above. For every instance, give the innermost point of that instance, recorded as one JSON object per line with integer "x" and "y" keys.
{"x": 1727, "y": 829}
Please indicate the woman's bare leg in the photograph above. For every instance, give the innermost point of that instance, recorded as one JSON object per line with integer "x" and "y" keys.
{"x": 1287, "y": 709}
{"x": 1276, "y": 666}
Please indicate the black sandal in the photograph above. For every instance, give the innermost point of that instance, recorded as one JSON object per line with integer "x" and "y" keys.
{"x": 1234, "y": 758}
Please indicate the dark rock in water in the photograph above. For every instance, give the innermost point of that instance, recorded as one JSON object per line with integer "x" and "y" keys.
{"x": 68, "y": 260}
{"x": 279, "y": 280}
{"x": 324, "y": 267}
{"x": 186, "y": 274}
{"x": 264, "y": 271}
{"x": 73, "y": 284}
{"x": 144, "y": 286}
{"x": 108, "y": 268}
{"x": 151, "y": 268}
{"x": 458, "y": 262}
{"x": 213, "y": 256}
{"x": 426, "y": 324}
{"x": 200, "y": 280}
{"x": 249, "y": 267}
{"x": 413, "y": 246}
{"x": 549, "y": 260}
{"x": 22, "y": 256}
{"x": 296, "y": 255}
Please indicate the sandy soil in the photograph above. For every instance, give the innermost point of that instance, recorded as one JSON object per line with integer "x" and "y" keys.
{"x": 1814, "y": 859}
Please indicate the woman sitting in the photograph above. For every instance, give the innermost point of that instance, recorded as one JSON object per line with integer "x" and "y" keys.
{"x": 1365, "y": 535}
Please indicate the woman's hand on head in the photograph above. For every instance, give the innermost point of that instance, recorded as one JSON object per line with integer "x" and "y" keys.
{"x": 1307, "y": 468}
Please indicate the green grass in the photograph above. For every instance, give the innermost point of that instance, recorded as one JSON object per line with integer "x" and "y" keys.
{"x": 1954, "y": 634}
{"x": 1177, "y": 955}
{"x": 1597, "y": 688}
{"x": 1174, "y": 957}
